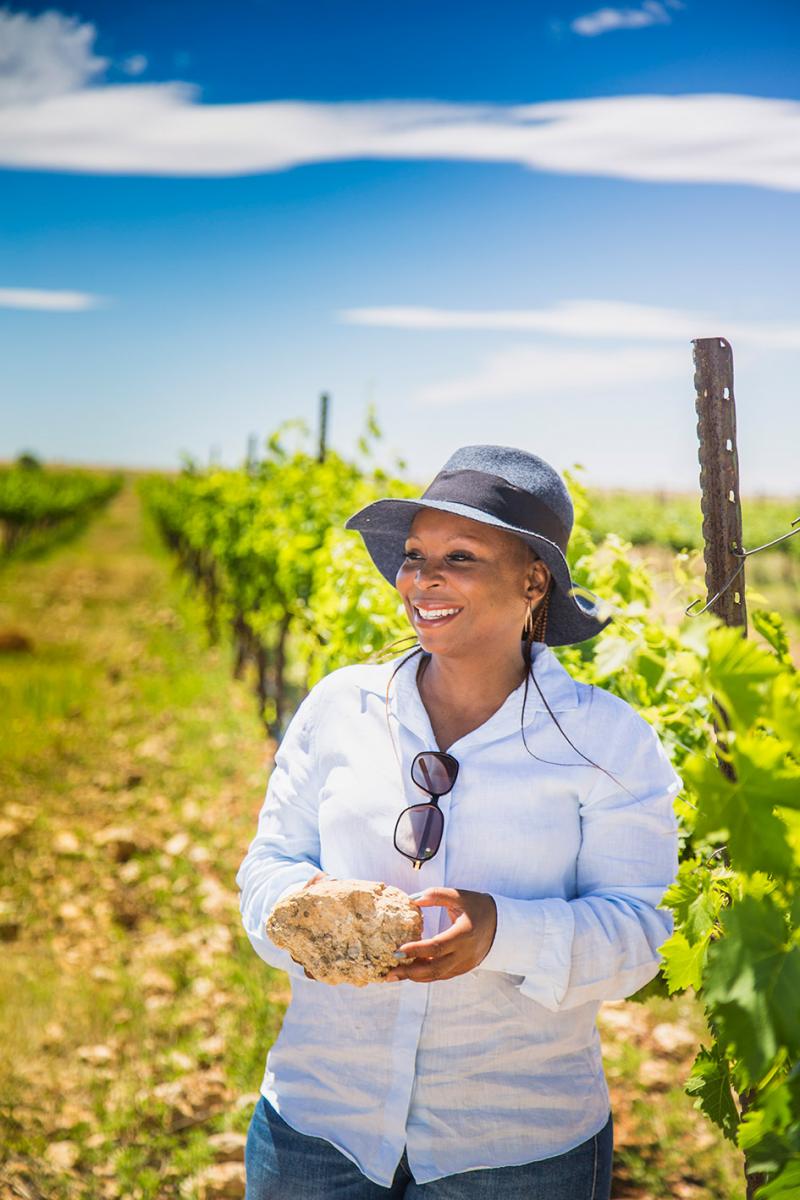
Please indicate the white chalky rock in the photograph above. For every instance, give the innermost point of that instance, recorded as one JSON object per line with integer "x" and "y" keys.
{"x": 345, "y": 930}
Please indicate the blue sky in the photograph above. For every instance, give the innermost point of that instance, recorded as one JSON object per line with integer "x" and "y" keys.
{"x": 497, "y": 223}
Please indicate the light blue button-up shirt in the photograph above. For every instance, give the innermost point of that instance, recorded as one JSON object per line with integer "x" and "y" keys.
{"x": 502, "y": 1065}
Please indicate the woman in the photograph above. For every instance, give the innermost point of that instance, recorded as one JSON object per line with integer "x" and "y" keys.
{"x": 475, "y": 1069}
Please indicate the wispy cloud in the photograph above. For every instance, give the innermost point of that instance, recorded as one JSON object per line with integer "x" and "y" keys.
{"x": 56, "y": 116}
{"x": 598, "y": 319}
{"x": 134, "y": 64}
{"x": 535, "y": 371}
{"x": 605, "y": 20}
{"x": 547, "y": 368}
{"x": 49, "y": 301}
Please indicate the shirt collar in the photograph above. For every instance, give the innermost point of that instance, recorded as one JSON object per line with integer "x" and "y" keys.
{"x": 405, "y": 702}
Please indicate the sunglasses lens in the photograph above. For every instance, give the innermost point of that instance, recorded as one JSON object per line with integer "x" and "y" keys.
{"x": 419, "y": 831}
{"x": 434, "y": 773}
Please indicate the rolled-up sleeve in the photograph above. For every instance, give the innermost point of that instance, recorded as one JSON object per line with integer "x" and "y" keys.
{"x": 285, "y": 853}
{"x": 604, "y": 943}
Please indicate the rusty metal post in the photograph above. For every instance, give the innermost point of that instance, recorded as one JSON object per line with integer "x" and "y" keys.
{"x": 251, "y": 460}
{"x": 722, "y": 530}
{"x": 719, "y": 477}
{"x": 324, "y": 401}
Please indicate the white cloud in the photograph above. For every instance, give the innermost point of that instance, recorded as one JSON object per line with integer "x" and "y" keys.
{"x": 53, "y": 119}
{"x": 550, "y": 369}
{"x": 49, "y": 55}
{"x": 134, "y": 64}
{"x": 533, "y": 371}
{"x": 48, "y": 301}
{"x": 603, "y": 319}
{"x": 605, "y": 20}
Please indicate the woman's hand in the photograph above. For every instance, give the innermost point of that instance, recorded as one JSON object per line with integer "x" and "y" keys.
{"x": 461, "y": 947}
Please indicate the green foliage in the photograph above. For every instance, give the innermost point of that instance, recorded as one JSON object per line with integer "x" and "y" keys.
{"x": 269, "y": 553}
{"x": 752, "y": 984}
{"x": 743, "y": 811}
{"x": 685, "y": 961}
{"x": 710, "y": 1081}
{"x": 770, "y": 626}
{"x": 40, "y": 508}
{"x": 695, "y": 898}
{"x": 785, "y": 1187}
{"x": 737, "y": 898}
{"x": 739, "y": 673}
{"x": 770, "y": 1133}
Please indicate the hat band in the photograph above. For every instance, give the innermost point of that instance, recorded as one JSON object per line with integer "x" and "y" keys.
{"x": 496, "y": 496}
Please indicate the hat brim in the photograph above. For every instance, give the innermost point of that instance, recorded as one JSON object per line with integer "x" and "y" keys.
{"x": 573, "y": 615}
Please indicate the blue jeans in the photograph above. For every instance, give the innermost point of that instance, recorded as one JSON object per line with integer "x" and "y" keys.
{"x": 283, "y": 1164}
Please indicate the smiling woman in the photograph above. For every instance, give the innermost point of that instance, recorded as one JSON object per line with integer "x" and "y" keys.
{"x": 474, "y": 1068}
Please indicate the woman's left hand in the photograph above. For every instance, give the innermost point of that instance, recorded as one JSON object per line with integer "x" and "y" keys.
{"x": 460, "y": 948}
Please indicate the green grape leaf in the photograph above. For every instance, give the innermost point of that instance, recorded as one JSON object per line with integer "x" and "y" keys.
{"x": 772, "y": 628}
{"x": 765, "y": 771}
{"x": 763, "y": 1131}
{"x": 784, "y": 716}
{"x": 737, "y": 672}
{"x": 650, "y": 666}
{"x": 694, "y": 899}
{"x": 684, "y": 962}
{"x": 613, "y": 654}
{"x": 695, "y": 633}
{"x": 710, "y": 1083}
{"x": 785, "y": 1186}
{"x": 752, "y": 984}
{"x": 794, "y": 911}
{"x": 757, "y": 839}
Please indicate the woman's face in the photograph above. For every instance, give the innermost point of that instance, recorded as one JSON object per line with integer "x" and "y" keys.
{"x": 466, "y": 585}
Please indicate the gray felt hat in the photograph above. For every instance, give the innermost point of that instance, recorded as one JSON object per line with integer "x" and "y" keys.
{"x": 509, "y": 489}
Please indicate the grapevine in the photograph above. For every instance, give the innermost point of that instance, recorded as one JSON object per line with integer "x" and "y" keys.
{"x": 39, "y": 507}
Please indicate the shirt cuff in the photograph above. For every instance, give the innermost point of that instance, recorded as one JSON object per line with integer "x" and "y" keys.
{"x": 302, "y": 872}
{"x": 534, "y": 939}
{"x": 274, "y": 955}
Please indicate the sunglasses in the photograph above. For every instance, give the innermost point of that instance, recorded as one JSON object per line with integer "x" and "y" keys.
{"x": 418, "y": 832}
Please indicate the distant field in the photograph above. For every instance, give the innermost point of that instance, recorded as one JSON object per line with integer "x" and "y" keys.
{"x": 675, "y": 520}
